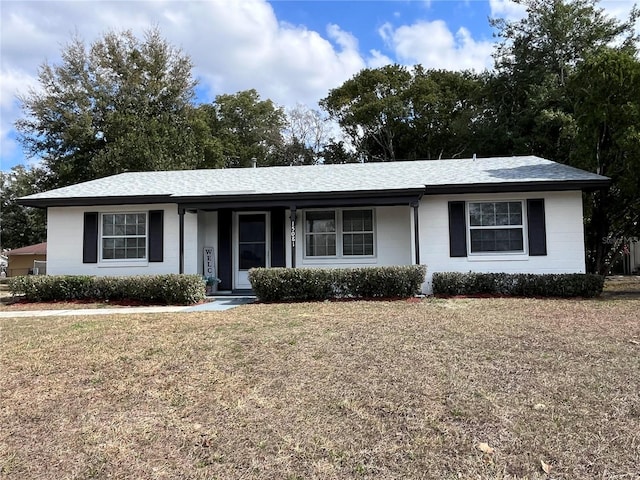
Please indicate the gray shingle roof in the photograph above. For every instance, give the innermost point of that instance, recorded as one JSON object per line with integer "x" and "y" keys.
{"x": 368, "y": 177}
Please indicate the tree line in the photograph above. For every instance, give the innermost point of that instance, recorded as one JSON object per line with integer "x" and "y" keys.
{"x": 565, "y": 86}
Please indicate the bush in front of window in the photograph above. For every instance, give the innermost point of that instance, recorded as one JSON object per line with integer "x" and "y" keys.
{"x": 302, "y": 284}
{"x": 43, "y": 288}
{"x": 387, "y": 282}
{"x": 171, "y": 289}
{"x": 518, "y": 284}
{"x": 307, "y": 284}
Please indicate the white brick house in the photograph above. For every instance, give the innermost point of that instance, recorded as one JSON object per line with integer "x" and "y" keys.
{"x": 515, "y": 214}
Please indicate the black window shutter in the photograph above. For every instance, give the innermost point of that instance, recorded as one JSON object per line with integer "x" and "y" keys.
{"x": 278, "y": 246}
{"x": 225, "y": 265}
{"x": 457, "y": 230}
{"x": 90, "y": 238}
{"x": 156, "y": 236}
{"x": 537, "y": 230}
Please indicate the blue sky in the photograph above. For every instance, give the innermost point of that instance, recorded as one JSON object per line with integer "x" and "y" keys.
{"x": 289, "y": 51}
{"x": 364, "y": 18}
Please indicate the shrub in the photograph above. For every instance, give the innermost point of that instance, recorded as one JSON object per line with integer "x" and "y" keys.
{"x": 157, "y": 289}
{"x": 518, "y": 284}
{"x": 43, "y": 288}
{"x": 301, "y": 284}
{"x": 274, "y": 284}
{"x": 401, "y": 281}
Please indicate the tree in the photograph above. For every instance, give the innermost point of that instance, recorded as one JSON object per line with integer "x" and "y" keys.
{"x": 293, "y": 152}
{"x": 560, "y": 92}
{"x": 122, "y": 104}
{"x": 444, "y": 108}
{"x": 534, "y": 59}
{"x": 606, "y": 96}
{"x": 306, "y": 132}
{"x": 21, "y": 226}
{"x": 555, "y": 36}
{"x": 371, "y": 109}
{"x": 246, "y": 127}
{"x": 336, "y": 152}
{"x": 393, "y": 113}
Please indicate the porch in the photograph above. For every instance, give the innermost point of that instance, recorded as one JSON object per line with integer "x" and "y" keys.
{"x": 329, "y": 233}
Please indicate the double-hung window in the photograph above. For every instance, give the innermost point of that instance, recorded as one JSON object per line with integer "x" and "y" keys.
{"x": 124, "y": 236}
{"x": 357, "y": 232}
{"x": 496, "y": 227}
{"x": 335, "y": 233}
{"x": 320, "y": 233}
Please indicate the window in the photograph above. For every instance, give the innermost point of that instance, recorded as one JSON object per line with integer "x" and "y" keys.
{"x": 124, "y": 236}
{"x": 332, "y": 233}
{"x": 252, "y": 241}
{"x": 320, "y": 234}
{"x": 496, "y": 227}
{"x": 357, "y": 232}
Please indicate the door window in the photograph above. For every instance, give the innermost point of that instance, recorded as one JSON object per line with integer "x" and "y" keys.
{"x": 252, "y": 241}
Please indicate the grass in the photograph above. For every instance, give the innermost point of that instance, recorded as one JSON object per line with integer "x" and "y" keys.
{"x": 623, "y": 284}
{"x": 615, "y": 286}
{"x": 327, "y": 390}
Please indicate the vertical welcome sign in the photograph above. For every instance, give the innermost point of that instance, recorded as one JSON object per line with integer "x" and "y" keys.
{"x": 209, "y": 267}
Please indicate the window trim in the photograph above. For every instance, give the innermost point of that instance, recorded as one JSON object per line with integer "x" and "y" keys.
{"x": 306, "y": 234}
{"x": 122, "y": 261}
{"x": 339, "y": 235}
{"x": 358, "y": 232}
{"x": 496, "y": 254}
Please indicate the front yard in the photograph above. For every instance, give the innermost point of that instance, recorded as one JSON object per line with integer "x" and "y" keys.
{"x": 446, "y": 389}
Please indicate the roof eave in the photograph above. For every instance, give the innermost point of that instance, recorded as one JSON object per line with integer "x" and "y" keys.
{"x": 541, "y": 186}
{"x": 355, "y": 197}
{"x": 86, "y": 201}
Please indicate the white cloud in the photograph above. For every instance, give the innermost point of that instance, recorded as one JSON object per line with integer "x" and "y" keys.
{"x": 377, "y": 59}
{"x": 433, "y": 45}
{"x": 510, "y": 10}
{"x": 507, "y": 9}
{"x": 12, "y": 80}
{"x": 620, "y": 9}
{"x": 234, "y": 45}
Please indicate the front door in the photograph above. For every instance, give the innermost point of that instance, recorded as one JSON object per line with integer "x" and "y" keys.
{"x": 252, "y": 246}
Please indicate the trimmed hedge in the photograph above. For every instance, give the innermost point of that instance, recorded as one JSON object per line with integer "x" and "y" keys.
{"x": 171, "y": 289}
{"x": 518, "y": 284}
{"x": 303, "y": 284}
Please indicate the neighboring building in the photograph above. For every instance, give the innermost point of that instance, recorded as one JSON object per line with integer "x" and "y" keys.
{"x": 4, "y": 262}
{"x": 21, "y": 260}
{"x": 516, "y": 214}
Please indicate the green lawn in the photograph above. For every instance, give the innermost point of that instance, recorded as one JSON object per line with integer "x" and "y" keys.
{"x": 327, "y": 390}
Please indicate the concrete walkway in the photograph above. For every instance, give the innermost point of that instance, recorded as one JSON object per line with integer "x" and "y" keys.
{"x": 217, "y": 304}
{"x": 221, "y": 303}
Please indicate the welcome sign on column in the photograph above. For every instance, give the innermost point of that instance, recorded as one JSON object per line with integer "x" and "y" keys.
{"x": 209, "y": 267}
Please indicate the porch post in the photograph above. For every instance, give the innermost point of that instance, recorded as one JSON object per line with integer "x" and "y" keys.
{"x": 293, "y": 218}
{"x": 181, "y": 235}
{"x": 416, "y": 230}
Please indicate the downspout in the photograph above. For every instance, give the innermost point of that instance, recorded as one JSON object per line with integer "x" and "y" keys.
{"x": 293, "y": 218}
{"x": 416, "y": 230}
{"x": 181, "y": 235}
